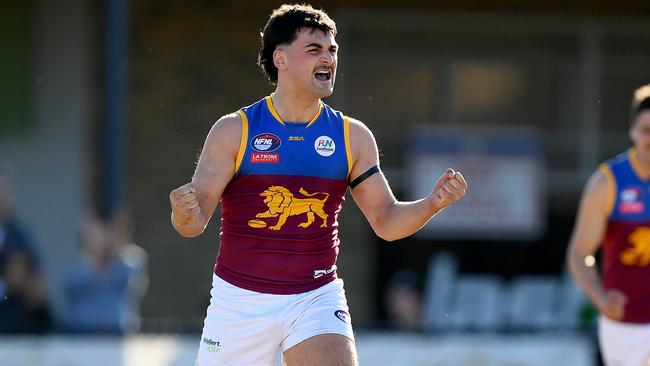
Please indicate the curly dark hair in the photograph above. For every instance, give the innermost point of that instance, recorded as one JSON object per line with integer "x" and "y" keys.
{"x": 282, "y": 27}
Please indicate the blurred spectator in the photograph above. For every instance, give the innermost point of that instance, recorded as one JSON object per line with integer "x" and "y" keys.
{"x": 135, "y": 257}
{"x": 403, "y": 302}
{"x": 12, "y": 236}
{"x": 97, "y": 287}
{"x": 23, "y": 307}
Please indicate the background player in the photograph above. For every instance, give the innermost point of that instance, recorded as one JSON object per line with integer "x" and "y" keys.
{"x": 615, "y": 213}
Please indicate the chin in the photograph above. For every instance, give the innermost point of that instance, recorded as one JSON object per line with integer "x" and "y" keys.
{"x": 321, "y": 93}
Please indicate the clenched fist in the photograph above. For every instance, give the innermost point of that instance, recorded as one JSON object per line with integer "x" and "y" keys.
{"x": 185, "y": 205}
{"x": 611, "y": 303}
{"x": 449, "y": 188}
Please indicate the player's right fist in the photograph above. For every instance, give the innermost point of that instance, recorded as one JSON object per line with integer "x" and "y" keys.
{"x": 611, "y": 303}
{"x": 185, "y": 205}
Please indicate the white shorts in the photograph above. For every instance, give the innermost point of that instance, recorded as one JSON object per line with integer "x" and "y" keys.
{"x": 246, "y": 328}
{"x": 624, "y": 344}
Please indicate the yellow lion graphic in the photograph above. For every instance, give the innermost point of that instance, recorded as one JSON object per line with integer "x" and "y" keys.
{"x": 639, "y": 253}
{"x": 281, "y": 202}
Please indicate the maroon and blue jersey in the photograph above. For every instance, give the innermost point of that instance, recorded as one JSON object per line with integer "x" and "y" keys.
{"x": 626, "y": 244}
{"x": 279, "y": 228}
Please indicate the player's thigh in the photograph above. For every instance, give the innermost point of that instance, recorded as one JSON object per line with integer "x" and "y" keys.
{"x": 322, "y": 350}
{"x": 241, "y": 327}
{"x": 623, "y": 344}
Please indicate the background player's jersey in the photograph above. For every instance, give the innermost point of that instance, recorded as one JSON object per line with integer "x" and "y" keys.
{"x": 626, "y": 245}
{"x": 279, "y": 231}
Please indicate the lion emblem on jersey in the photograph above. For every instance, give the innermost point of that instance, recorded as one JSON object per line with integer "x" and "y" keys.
{"x": 639, "y": 253}
{"x": 282, "y": 204}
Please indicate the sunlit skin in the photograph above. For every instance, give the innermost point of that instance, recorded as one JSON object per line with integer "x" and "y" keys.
{"x": 296, "y": 99}
{"x": 312, "y": 55}
{"x": 306, "y": 73}
{"x": 591, "y": 225}
{"x": 640, "y": 135}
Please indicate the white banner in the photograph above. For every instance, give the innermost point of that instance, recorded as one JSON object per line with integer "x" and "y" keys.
{"x": 506, "y": 184}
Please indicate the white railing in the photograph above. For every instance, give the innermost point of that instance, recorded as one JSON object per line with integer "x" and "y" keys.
{"x": 386, "y": 349}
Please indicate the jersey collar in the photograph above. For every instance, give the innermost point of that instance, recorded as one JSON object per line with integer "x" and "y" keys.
{"x": 269, "y": 104}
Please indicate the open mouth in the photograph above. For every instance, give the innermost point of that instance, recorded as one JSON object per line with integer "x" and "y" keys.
{"x": 323, "y": 75}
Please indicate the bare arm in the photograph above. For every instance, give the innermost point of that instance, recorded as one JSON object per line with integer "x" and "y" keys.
{"x": 194, "y": 203}
{"x": 390, "y": 218}
{"x": 585, "y": 241}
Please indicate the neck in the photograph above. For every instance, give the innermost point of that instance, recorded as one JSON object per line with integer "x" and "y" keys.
{"x": 644, "y": 160}
{"x": 642, "y": 163}
{"x": 293, "y": 106}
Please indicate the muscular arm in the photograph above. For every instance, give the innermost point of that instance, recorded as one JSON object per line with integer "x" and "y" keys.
{"x": 214, "y": 170}
{"x": 587, "y": 237}
{"x": 390, "y": 218}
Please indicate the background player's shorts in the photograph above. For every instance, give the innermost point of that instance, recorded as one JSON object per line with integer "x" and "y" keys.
{"x": 245, "y": 328}
{"x": 624, "y": 344}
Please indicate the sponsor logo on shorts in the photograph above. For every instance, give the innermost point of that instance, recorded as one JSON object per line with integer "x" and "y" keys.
{"x": 213, "y": 346}
{"x": 324, "y": 146}
{"x": 265, "y": 142}
{"x": 342, "y": 315}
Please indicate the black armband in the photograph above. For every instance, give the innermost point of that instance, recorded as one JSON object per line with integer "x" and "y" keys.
{"x": 364, "y": 176}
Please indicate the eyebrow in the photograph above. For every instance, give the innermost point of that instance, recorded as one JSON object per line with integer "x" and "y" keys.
{"x": 319, "y": 46}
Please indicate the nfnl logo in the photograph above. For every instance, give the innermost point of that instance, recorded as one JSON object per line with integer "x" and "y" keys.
{"x": 265, "y": 142}
{"x": 630, "y": 194}
{"x": 631, "y": 201}
{"x": 324, "y": 146}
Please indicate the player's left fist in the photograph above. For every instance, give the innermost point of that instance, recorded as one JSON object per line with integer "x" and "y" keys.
{"x": 449, "y": 188}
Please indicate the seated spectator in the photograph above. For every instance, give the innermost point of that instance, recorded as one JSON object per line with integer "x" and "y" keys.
{"x": 97, "y": 286}
{"x": 23, "y": 307}
{"x": 12, "y": 236}
{"x": 402, "y": 301}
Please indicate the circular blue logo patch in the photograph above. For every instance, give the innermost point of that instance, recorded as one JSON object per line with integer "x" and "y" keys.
{"x": 265, "y": 142}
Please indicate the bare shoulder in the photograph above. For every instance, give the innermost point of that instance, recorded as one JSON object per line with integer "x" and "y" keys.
{"x": 225, "y": 133}
{"x": 361, "y": 139}
{"x": 365, "y": 153}
{"x": 599, "y": 182}
{"x": 359, "y": 132}
{"x": 599, "y": 190}
{"x": 228, "y": 125}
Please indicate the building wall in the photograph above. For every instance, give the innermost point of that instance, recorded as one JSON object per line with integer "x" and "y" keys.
{"x": 48, "y": 161}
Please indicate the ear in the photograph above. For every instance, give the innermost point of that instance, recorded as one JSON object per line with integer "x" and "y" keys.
{"x": 280, "y": 59}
